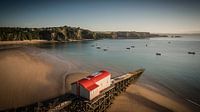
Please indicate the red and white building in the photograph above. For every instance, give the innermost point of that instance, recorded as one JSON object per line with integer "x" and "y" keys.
{"x": 92, "y": 85}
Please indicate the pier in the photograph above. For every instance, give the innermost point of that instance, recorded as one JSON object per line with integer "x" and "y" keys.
{"x": 73, "y": 103}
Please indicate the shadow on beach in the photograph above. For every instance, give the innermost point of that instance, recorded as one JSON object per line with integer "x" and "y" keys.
{"x": 29, "y": 75}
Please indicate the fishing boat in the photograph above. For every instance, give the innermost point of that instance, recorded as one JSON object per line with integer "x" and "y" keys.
{"x": 190, "y": 52}
{"x": 158, "y": 54}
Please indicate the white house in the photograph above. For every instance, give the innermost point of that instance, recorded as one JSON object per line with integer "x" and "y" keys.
{"x": 92, "y": 85}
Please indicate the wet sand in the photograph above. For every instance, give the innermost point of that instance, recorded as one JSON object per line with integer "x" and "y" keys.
{"x": 139, "y": 98}
{"x": 29, "y": 75}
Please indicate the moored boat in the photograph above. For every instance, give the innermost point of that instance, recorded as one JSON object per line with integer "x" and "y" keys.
{"x": 190, "y": 52}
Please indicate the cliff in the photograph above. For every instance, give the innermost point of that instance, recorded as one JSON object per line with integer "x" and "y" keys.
{"x": 64, "y": 33}
{"x": 134, "y": 35}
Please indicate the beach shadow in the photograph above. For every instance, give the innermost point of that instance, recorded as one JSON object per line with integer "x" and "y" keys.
{"x": 148, "y": 103}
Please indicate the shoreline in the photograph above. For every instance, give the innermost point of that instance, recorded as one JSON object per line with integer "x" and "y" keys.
{"x": 18, "y": 42}
{"x": 2, "y": 43}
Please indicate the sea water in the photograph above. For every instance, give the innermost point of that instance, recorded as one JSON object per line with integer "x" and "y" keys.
{"x": 174, "y": 69}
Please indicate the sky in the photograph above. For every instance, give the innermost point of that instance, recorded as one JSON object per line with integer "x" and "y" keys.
{"x": 156, "y": 16}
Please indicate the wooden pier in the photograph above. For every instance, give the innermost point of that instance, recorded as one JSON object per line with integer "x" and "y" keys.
{"x": 73, "y": 103}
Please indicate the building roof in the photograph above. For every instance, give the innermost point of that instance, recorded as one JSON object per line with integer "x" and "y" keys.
{"x": 90, "y": 82}
{"x": 99, "y": 75}
{"x": 90, "y": 88}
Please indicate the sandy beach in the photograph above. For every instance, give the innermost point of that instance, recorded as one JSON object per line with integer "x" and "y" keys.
{"x": 138, "y": 98}
{"x": 28, "y": 77}
{"x": 26, "y": 42}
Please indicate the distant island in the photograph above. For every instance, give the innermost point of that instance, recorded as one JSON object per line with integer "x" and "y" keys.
{"x": 66, "y": 33}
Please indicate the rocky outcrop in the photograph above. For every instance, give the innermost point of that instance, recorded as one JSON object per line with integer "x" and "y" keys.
{"x": 133, "y": 35}
{"x": 64, "y": 33}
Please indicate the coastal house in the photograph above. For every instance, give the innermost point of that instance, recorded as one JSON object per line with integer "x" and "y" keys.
{"x": 91, "y": 86}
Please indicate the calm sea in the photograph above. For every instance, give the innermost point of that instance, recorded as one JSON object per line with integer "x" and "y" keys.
{"x": 175, "y": 69}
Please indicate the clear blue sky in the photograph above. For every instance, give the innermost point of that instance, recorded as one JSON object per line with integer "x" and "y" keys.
{"x": 157, "y": 16}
